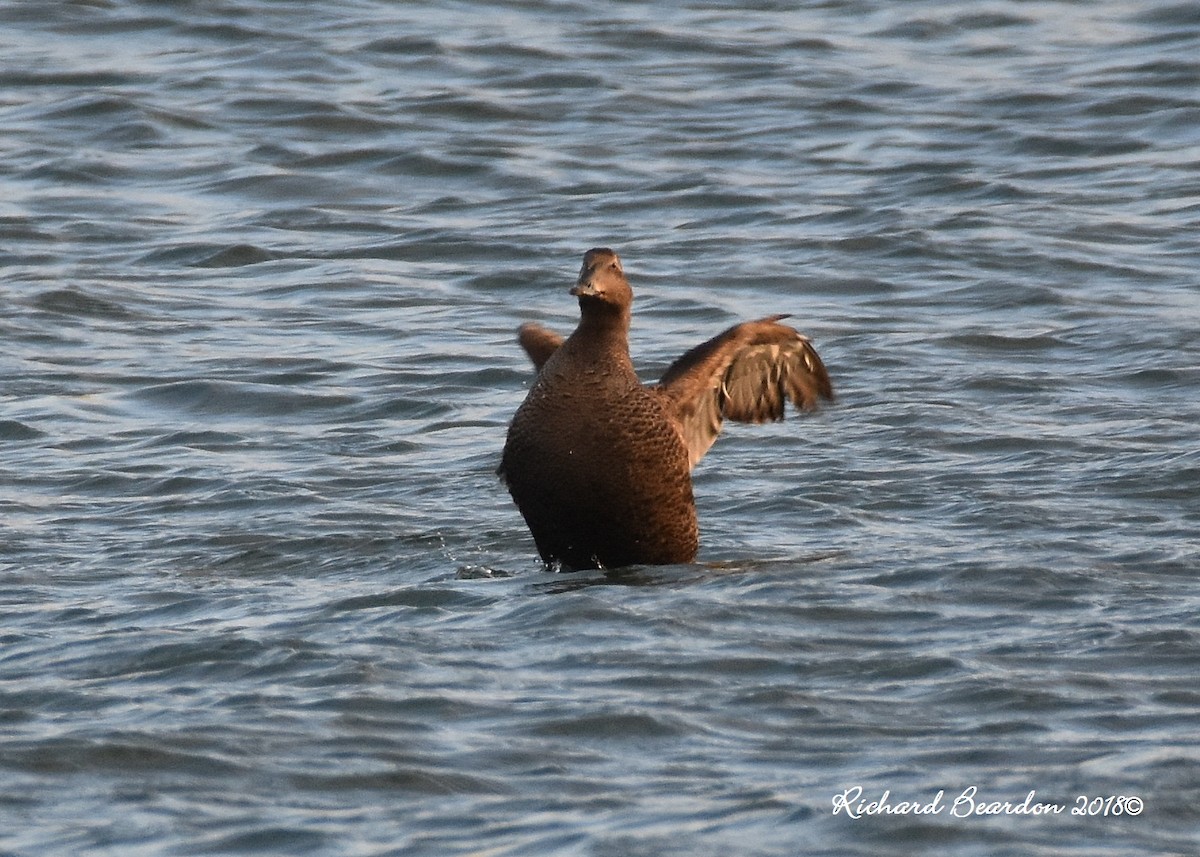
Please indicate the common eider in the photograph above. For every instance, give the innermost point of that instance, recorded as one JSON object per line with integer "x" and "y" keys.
{"x": 600, "y": 464}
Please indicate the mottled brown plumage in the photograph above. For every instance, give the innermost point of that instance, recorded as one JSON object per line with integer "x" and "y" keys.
{"x": 599, "y": 464}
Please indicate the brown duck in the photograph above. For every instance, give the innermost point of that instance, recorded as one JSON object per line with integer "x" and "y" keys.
{"x": 599, "y": 464}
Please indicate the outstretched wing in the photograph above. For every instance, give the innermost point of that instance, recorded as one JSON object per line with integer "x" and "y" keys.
{"x": 745, "y": 374}
{"x": 538, "y": 342}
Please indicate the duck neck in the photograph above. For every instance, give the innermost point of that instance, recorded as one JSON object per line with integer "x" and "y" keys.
{"x": 603, "y": 334}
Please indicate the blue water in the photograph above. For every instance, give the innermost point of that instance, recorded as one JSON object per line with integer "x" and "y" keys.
{"x": 261, "y": 266}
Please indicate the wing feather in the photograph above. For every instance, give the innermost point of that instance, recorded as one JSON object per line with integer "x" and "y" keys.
{"x": 746, "y": 374}
{"x": 539, "y": 343}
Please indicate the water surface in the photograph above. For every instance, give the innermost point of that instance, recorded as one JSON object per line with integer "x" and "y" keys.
{"x": 261, "y": 265}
